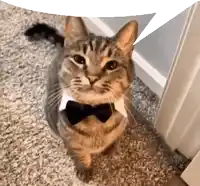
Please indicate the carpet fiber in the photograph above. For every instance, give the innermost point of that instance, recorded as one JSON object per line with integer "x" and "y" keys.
{"x": 30, "y": 155}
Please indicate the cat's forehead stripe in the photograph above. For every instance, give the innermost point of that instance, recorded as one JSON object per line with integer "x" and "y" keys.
{"x": 85, "y": 48}
{"x": 91, "y": 45}
{"x": 104, "y": 45}
{"x": 98, "y": 44}
{"x": 110, "y": 52}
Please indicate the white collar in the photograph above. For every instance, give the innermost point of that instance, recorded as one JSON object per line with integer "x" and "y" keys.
{"x": 119, "y": 105}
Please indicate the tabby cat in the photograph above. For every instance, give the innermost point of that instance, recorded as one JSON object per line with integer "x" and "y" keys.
{"x": 96, "y": 72}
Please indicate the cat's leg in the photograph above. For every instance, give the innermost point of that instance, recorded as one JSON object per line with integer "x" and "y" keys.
{"x": 110, "y": 149}
{"x": 83, "y": 162}
{"x": 113, "y": 136}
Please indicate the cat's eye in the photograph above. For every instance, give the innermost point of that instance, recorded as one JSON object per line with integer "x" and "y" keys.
{"x": 79, "y": 59}
{"x": 111, "y": 65}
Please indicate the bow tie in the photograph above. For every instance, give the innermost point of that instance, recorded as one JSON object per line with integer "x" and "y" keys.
{"x": 76, "y": 112}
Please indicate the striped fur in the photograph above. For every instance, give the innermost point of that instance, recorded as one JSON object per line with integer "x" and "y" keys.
{"x": 92, "y": 81}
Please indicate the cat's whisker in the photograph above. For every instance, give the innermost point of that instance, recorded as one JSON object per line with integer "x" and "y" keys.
{"x": 55, "y": 85}
{"x": 113, "y": 94}
{"x": 129, "y": 112}
{"x": 54, "y": 101}
{"x": 125, "y": 105}
{"x": 110, "y": 103}
{"x": 53, "y": 93}
{"x": 67, "y": 86}
{"x": 55, "y": 90}
{"x": 131, "y": 86}
{"x": 130, "y": 101}
{"x": 52, "y": 97}
{"x": 131, "y": 90}
{"x": 54, "y": 105}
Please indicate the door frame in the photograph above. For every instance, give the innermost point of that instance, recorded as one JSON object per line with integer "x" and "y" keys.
{"x": 179, "y": 109}
{"x": 191, "y": 173}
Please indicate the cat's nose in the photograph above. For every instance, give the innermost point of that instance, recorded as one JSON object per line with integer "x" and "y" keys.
{"x": 92, "y": 79}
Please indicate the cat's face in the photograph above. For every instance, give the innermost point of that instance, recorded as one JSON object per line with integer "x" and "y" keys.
{"x": 96, "y": 69}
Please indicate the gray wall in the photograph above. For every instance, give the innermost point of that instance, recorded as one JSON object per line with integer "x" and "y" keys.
{"x": 159, "y": 47}
{"x": 117, "y": 22}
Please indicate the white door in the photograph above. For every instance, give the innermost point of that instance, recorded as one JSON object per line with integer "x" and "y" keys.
{"x": 191, "y": 174}
{"x": 178, "y": 116}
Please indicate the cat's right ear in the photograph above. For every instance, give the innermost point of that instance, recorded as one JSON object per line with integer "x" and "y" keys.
{"x": 75, "y": 29}
{"x": 126, "y": 36}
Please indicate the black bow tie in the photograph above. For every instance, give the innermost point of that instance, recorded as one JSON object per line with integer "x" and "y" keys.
{"x": 76, "y": 112}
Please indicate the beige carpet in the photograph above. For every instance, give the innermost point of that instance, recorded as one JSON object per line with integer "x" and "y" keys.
{"x": 29, "y": 155}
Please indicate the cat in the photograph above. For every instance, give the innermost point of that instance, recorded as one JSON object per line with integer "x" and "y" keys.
{"x": 96, "y": 70}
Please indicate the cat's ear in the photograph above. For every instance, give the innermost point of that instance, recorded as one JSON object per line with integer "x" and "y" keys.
{"x": 126, "y": 36}
{"x": 75, "y": 28}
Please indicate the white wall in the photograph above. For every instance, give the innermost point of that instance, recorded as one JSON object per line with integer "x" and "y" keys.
{"x": 160, "y": 47}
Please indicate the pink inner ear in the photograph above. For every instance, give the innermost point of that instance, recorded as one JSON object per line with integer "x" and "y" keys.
{"x": 126, "y": 37}
{"x": 68, "y": 28}
{"x": 128, "y": 33}
{"x": 75, "y": 24}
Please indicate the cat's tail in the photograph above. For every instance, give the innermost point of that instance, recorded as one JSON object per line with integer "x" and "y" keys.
{"x": 40, "y": 31}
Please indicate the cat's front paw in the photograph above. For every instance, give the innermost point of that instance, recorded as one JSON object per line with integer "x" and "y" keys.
{"x": 84, "y": 174}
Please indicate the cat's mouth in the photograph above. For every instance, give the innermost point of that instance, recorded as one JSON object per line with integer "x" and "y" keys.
{"x": 94, "y": 95}
{"x": 92, "y": 89}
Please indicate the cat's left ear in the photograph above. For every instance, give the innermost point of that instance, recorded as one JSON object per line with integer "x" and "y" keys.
{"x": 75, "y": 29}
{"x": 126, "y": 36}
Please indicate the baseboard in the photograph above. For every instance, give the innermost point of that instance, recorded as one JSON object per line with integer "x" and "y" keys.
{"x": 148, "y": 74}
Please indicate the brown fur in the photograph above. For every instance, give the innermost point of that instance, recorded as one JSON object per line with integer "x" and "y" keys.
{"x": 90, "y": 83}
